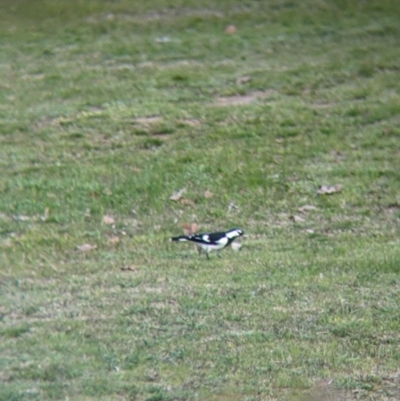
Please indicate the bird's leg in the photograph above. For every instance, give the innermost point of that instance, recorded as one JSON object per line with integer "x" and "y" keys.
{"x": 208, "y": 258}
{"x": 219, "y": 255}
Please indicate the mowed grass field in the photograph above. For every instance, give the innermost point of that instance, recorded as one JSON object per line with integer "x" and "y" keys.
{"x": 286, "y": 124}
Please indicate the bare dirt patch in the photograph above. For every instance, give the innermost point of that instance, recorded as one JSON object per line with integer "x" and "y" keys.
{"x": 243, "y": 100}
{"x": 146, "y": 121}
{"x": 322, "y": 105}
{"x": 190, "y": 122}
{"x": 171, "y": 64}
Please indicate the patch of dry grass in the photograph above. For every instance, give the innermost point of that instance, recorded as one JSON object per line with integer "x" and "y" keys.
{"x": 106, "y": 110}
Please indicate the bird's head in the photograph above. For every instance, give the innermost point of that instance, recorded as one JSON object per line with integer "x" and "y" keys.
{"x": 234, "y": 233}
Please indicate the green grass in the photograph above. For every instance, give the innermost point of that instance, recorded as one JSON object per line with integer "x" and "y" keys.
{"x": 108, "y": 108}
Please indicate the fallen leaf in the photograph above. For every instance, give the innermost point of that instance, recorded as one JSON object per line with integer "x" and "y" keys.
{"x": 86, "y": 247}
{"x": 324, "y": 382}
{"x": 310, "y": 231}
{"x": 186, "y": 201}
{"x": 306, "y": 208}
{"x": 296, "y": 219}
{"x": 208, "y": 194}
{"x": 230, "y": 29}
{"x": 243, "y": 80}
{"x": 328, "y": 190}
{"x": 129, "y": 269}
{"x": 114, "y": 240}
{"x": 177, "y": 195}
{"x": 236, "y": 246}
{"x": 108, "y": 219}
{"x": 190, "y": 228}
{"x": 231, "y": 206}
{"x": 136, "y": 169}
{"x": 152, "y": 375}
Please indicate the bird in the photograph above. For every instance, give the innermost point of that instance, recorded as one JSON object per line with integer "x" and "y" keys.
{"x": 211, "y": 241}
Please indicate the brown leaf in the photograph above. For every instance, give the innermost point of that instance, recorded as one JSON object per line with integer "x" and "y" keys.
{"x": 86, "y": 247}
{"x": 243, "y": 80}
{"x": 190, "y": 228}
{"x": 152, "y": 375}
{"x": 129, "y": 269}
{"x": 328, "y": 190}
{"x": 208, "y": 194}
{"x": 306, "y": 208}
{"x": 230, "y": 29}
{"x": 296, "y": 219}
{"x": 108, "y": 219}
{"x": 114, "y": 240}
{"x": 177, "y": 195}
{"x": 186, "y": 201}
{"x": 232, "y": 206}
{"x": 324, "y": 382}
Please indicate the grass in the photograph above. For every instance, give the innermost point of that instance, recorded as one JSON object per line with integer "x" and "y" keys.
{"x": 108, "y": 108}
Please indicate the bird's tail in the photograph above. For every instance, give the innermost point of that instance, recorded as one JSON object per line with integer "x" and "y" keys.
{"x": 180, "y": 238}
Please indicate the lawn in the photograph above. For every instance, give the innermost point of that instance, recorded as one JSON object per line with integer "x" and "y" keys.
{"x": 278, "y": 117}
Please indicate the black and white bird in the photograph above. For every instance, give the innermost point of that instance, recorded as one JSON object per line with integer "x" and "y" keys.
{"x": 211, "y": 241}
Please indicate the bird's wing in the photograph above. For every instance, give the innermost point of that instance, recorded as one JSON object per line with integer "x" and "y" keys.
{"x": 202, "y": 238}
{"x": 209, "y": 238}
{"x": 216, "y": 237}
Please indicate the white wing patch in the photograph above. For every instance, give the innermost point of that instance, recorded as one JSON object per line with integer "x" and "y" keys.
{"x": 223, "y": 241}
{"x": 205, "y": 238}
{"x": 233, "y": 234}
